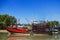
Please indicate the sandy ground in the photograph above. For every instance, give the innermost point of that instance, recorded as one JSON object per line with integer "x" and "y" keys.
{"x": 3, "y": 31}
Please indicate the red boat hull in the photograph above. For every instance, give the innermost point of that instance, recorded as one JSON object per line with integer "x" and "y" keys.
{"x": 15, "y": 30}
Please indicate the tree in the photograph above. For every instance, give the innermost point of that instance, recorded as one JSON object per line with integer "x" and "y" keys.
{"x": 53, "y": 23}
{"x": 6, "y": 20}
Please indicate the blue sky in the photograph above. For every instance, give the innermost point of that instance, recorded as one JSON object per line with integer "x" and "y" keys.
{"x": 31, "y": 9}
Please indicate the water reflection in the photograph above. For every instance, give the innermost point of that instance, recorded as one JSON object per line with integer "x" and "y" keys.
{"x": 54, "y": 37}
{"x": 3, "y": 36}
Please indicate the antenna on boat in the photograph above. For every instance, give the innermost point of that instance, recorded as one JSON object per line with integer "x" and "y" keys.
{"x": 27, "y": 20}
{"x": 18, "y": 21}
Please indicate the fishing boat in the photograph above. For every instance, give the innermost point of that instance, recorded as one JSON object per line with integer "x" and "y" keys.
{"x": 16, "y": 30}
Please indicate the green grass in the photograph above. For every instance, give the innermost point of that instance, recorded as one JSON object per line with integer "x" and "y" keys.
{"x": 3, "y": 36}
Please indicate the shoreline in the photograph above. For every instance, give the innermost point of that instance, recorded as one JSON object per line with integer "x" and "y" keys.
{"x": 21, "y": 34}
{"x": 18, "y": 34}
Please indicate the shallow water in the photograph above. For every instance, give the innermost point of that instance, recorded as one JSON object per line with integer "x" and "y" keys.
{"x": 3, "y": 36}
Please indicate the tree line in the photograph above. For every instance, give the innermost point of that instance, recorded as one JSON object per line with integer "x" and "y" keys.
{"x": 6, "y": 20}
